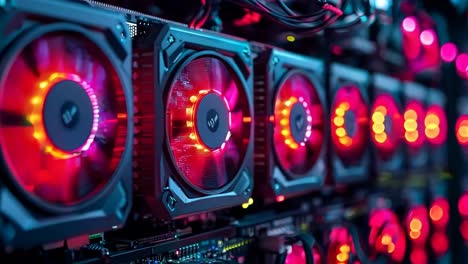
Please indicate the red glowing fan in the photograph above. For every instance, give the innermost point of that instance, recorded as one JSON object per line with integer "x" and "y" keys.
{"x": 349, "y": 123}
{"x": 341, "y": 246}
{"x": 208, "y": 123}
{"x": 63, "y": 118}
{"x": 435, "y": 125}
{"x": 418, "y": 225}
{"x": 414, "y": 125}
{"x": 386, "y": 235}
{"x": 386, "y": 125}
{"x": 299, "y": 126}
{"x": 297, "y": 255}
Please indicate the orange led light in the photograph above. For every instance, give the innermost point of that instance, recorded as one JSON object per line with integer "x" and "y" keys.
{"x": 36, "y": 120}
{"x": 284, "y": 110}
{"x": 340, "y": 131}
{"x": 432, "y": 122}
{"x": 436, "y": 213}
{"x": 191, "y": 117}
{"x": 343, "y": 255}
{"x": 462, "y": 130}
{"x": 378, "y": 126}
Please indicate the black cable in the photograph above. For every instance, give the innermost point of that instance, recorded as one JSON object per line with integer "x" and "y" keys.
{"x": 310, "y": 23}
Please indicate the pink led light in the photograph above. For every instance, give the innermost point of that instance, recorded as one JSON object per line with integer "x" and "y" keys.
{"x": 409, "y": 24}
{"x": 462, "y": 65}
{"x": 448, "y": 52}
{"x": 95, "y": 106}
{"x": 427, "y": 37}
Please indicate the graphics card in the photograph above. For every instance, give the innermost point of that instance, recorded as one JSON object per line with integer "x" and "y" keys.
{"x": 349, "y": 124}
{"x": 290, "y": 137}
{"x": 194, "y": 119}
{"x": 66, "y": 121}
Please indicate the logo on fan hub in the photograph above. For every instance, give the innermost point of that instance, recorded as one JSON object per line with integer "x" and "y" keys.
{"x": 69, "y": 114}
{"x": 212, "y": 120}
{"x": 299, "y": 121}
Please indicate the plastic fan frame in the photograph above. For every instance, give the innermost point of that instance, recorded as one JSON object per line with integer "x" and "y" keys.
{"x": 19, "y": 44}
{"x": 164, "y": 48}
{"x": 317, "y": 88}
{"x": 345, "y": 173}
{"x": 41, "y": 222}
{"x": 274, "y": 67}
{"x": 178, "y": 174}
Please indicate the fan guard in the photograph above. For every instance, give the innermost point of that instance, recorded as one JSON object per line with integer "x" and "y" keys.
{"x": 208, "y": 122}
{"x": 349, "y": 123}
{"x": 63, "y": 118}
{"x": 299, "y": 127}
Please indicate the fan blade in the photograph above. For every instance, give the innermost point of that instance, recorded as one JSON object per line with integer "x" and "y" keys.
{"x": 232, "y": 95}
{"x": 8, "y": 118}
{"x": 236, "y": 122}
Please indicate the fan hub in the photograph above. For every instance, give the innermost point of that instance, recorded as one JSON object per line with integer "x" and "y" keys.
{"x": 68, "y": 115}
{"x": 299, "y": 123}
{"x": 388, "y": 124}
{"x": 212, "y": 118}
{"x": 350, "y": 123}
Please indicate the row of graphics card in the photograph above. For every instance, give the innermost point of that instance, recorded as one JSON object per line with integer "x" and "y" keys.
{"x": 106, "y": 111}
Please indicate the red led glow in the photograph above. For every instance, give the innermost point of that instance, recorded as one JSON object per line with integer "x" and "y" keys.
{"x": 418, "y": 256}
{"x": 35, "y": 118}
{"x": 464, "y": 229}
{"x": 439, "y": 243}
{"x": 386, "y": 235}
{"x": 297, "y": 255}
{"x": 280, "y": 198}
{"x": 207, "y": 168}
{"x": 440, "y": 212}
{"x": 463, "y": 205}
{"x": 461, "y": 65}
{"x": 386, "y": 125}
{"x": 462, "y": 130}
{"x": 435, "y": 124}
{"x": 349, "y": 123}
{"x": 341, "y": 246}
{"x": 414, "y": 125}
{"x": 448, "y": 52}
{"x": 298, "y": 154}
{"x": 417, "y": 223}
{"x": 51, "y": 174}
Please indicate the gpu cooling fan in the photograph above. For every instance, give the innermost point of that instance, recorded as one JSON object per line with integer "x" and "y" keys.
{"x": 65, "y": 117}
{"x": 386, "y": 236}
{"x": 206, "y": 123}
{"x": 199, "y": 159}
{"x": 340, "y": 246}
{"x": 290, "y": 131}
{"x": 386, "y": 124}
{"x": 349, "y": 124}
